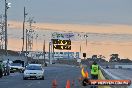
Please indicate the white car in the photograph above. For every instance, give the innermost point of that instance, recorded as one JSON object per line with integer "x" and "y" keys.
{"x": 16, "y": 67}
{"x": 33, "y": 71}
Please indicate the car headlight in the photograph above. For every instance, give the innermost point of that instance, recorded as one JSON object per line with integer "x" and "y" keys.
{"x": 40, "y": 73}
{"x": 27, "y": 73}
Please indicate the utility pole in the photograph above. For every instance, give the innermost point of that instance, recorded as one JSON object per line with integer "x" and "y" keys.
{"x": 26, "y": 44}
{"x": 5, "y": 25}
{"x": 2, "y": 32}
{"x": 24, "y": 29}
{"x": 7, "y": 5}
{"x": 86, "y": 36}
{"x": 44, "y": 51}
{"x": 36, "y": 42}
{"x": 30, "y": 34}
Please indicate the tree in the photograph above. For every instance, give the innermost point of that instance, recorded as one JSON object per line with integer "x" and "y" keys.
{"x": 114, "y": 58}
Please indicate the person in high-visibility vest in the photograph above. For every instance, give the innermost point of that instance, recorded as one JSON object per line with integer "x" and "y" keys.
{"x": 94, "y": 70}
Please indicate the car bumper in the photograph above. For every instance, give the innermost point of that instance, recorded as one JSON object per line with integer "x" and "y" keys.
{"x": 15, "y": 70}
{"x": 33, "y": 76}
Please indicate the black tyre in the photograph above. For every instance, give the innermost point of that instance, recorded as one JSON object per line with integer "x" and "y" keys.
{"x": 1, "y": 73}
{"x": 5, "y": 74}
{"x": 42, "y": 78}
{"x": 8, "y": 73}
{"x": 24, "y": 78}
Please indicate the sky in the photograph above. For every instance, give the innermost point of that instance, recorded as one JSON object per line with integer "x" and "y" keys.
{"x": 72, "y": 11}
{"x": 106, "y": 17}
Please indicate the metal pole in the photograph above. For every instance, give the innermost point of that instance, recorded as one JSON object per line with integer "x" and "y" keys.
{"x": 49, "y": 52}
{"x": 44, "y": 51}
{"x": 23, "y": 29}
{"x": 86, "y": 42}
{"x": 5, "y": 25}
{"x": 80, "y": 50}
{"x": 26, "y": 44}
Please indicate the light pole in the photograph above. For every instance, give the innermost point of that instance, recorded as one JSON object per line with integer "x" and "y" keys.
{"x": 86, "y": 36}
{"x": 2, "y": 32}
{"x": 24, "y": 29}
{"x": 36, "y": 42}
{"x": 26, "y": 44}
{"x": 44, "y": 51}
{"x": 7, "y": 5}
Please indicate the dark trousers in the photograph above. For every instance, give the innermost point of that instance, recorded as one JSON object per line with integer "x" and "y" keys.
{"x": 1, "y": 73}
{"x": 94, "y": 77}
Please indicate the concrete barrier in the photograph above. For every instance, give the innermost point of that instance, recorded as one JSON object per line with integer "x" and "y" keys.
{"x": 108, "y": 75}
{"x": 102, "y": 77}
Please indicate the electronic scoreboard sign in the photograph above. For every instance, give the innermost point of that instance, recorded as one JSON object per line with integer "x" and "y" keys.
{"x": 61, "y": 44}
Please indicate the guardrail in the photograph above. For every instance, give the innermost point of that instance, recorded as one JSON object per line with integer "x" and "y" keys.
{"x": 108, "y": 75}
{"x": 102, "y": 77}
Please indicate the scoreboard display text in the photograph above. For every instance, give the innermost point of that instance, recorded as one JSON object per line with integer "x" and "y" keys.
{"x": 61, "y": 44}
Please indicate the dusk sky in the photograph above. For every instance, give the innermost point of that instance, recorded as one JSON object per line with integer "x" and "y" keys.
{"x": 72, "y": 11}
{"x": 106, "y": 17}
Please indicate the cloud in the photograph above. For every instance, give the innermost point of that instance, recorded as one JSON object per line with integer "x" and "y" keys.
{"x": 104, "y": 28}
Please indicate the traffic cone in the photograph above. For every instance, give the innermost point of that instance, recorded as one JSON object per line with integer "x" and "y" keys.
{"x": 68, "y": 84}
{"x": 54, "y": 84}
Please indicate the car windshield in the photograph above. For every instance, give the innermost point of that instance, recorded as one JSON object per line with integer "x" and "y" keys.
{"x": 16, "y": 64}
{"x": 33, "y": 67}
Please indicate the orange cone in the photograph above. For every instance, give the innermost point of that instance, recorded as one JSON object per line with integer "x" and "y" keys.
{"x": 54, "y": 84}
{"x": 68, "y": 84}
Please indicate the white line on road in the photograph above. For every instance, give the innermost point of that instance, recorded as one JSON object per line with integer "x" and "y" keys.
{"x": 29, "y": 85}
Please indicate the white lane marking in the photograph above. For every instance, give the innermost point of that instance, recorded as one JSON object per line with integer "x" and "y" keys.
{"x": 38, "y": 82}
{"x": 29, "y": 85}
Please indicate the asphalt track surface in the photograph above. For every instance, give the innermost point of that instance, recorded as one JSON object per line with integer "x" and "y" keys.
{"x": 60, "y": 73}
{"x": 122, "y": 74}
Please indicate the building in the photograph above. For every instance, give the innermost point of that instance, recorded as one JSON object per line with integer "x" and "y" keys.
{"x": 56, "y": 55}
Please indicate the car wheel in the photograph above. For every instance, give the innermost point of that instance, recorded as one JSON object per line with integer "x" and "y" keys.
{"x": 20, "y": 71}
{"x": 8, "y": 73}
{"x": 1, "y": 75}
{"x": 24, "y": 78}
{"x": 4, "y": 74}
{"x": 42, "y": 78}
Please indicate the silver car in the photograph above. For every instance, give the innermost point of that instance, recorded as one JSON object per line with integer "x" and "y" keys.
{"x": 34, "y": 71}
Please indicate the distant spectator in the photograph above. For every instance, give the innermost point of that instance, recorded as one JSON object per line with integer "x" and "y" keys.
{"x": 1, "y": 71}
{"x": 8, "y": 67}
